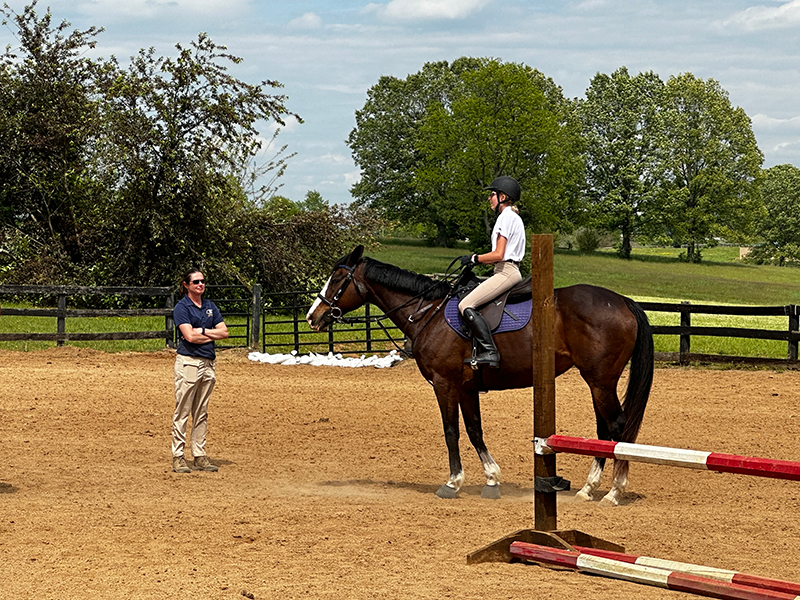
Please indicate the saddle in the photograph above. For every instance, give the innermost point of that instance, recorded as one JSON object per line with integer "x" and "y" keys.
{"x": 508, "y": 312}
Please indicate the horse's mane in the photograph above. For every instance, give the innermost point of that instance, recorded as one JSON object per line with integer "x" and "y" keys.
{"x": 402, "y": 280}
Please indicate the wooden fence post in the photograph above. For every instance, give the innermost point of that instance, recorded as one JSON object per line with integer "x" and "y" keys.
{"x": 794, "y": 326}
{"x": 255, "y": 330}
{"x": 685, "y": 338}
{"x": 369, "y": 331}
{"x": 61, "y": 325}
{"x": 169, "y": 322}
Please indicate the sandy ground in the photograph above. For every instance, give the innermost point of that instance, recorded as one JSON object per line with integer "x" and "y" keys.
{"x": 327, "y": 479}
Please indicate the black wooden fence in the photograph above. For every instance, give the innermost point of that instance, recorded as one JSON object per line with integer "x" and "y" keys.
{"x": 685, "y": 331}
{"x": 276, "y": 322}
{"x": 233, "y": 301}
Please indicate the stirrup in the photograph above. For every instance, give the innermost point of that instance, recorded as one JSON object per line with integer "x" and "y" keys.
{"x": 476, "y": 362}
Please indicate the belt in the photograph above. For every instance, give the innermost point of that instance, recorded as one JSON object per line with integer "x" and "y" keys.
{"x": 516, "y": 262}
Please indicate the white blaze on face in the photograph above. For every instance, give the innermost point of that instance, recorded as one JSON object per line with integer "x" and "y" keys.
{"x": 317, "y": 302}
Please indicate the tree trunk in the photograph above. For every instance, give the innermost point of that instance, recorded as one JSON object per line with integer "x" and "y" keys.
{"x": 625, "y": 249}
{"x": 690, "y": 253}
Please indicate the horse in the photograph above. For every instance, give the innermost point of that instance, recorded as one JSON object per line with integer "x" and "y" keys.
{"x": 596, "y": 330}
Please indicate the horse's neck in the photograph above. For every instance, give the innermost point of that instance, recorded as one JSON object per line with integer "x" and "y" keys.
{"x": 399, "y": 306}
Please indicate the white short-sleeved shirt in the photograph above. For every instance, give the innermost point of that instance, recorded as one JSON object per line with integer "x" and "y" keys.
{"x": 510, "y": 226}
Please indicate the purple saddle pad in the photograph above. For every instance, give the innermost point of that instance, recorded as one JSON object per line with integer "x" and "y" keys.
{"x": 521, "y": 315}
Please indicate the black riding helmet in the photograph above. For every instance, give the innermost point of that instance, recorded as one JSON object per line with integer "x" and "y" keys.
{"x": 506, "y": 185}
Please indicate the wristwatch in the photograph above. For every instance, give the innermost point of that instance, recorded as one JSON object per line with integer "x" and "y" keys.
{"x": 204, "y": 330}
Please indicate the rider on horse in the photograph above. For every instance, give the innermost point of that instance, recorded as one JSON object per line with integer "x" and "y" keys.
{"x": 508, "y": 250}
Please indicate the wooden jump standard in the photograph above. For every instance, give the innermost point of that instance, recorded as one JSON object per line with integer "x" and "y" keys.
{"x": 669, "y": 578}
{"x": 544, "y": 422}
{"x": 692, "y": 459}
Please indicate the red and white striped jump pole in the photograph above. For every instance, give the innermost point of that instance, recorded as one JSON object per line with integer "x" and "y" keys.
{"x": 671, "y": 580}
{"x": 755, "y": 581}
{"x": 692, "y": 459}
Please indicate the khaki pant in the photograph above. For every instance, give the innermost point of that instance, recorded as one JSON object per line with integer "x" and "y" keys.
{"x": 194, "y": 381}
{"x": 506, "y": 275}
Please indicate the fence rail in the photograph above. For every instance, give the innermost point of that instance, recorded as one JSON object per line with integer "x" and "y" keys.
{"x": 61, "y": 313}
{"x": 685, "y": 331}
{"x": 276, "y": 322}
{"x": 285, "y": 327}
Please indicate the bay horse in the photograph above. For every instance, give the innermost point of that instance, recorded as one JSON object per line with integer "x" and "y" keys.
{"x": 596, "y": 330}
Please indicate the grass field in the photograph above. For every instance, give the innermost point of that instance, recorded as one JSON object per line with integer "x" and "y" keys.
{"x": 652, "y": 274}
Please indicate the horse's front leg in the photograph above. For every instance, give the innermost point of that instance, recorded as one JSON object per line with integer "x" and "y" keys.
{"x": 448, "y": 407}
{"x": 471, "y": 409}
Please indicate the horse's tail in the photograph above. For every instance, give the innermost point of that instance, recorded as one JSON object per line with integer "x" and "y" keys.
{"x": 641, "y": 374}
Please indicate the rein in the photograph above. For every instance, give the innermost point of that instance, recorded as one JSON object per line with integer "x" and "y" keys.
{"x": 339, "y": 318}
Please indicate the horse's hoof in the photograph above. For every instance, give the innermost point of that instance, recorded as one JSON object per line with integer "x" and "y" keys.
{"x": 607, "y": 501}
{"x": 447, "y": 492}
{"x": 583, "y": 497}
{"x": 492, "y": 492}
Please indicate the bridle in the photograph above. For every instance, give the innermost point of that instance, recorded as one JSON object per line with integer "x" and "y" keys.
{"x": 336, "y": 312}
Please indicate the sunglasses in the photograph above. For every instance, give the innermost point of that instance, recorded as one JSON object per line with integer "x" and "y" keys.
{"x": 198, "y": 281}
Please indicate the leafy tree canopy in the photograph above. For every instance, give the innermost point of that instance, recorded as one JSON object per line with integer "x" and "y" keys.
{"x": 126, "y": 176}
{"x": 427, "y": 146}
{"x": 779, "y": 223}
{"x": 621, "y": 127}
{"x": 710, "y": 166}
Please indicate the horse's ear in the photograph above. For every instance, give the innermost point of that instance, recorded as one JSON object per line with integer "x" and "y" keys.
{"x": 355, "y": 255}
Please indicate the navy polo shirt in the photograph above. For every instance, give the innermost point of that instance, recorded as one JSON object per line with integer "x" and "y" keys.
{"x": 207, "y": 316}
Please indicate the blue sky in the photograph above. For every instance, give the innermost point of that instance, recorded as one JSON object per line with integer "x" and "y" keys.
{"x": 328, "y": 54}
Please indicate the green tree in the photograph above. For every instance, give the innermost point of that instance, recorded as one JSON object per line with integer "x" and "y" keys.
{"x": 620, "y": 120}
{"x": 428, "y": 144}
{"x": 313, "y": 202}
{"x": 385, "y": 142}
{"x": 178, "y": 134}
{"x": 499, "y": 122}
{"x": 779, "y": 223}
{"x": 709, "y": 168}
{"x": 49, "y": 120}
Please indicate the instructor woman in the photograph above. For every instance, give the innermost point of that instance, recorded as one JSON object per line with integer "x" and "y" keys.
{"x": 199, "y": 323}
{"x": 508, "y": 250}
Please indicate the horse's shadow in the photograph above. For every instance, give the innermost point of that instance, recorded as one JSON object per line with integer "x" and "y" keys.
{"x": 512, "y": 491}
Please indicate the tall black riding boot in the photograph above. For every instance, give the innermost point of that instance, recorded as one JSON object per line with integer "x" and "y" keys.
{"x": 487, "y": 351}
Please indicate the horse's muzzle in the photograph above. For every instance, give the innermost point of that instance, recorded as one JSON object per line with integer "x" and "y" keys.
{"x": 321, "y": 323}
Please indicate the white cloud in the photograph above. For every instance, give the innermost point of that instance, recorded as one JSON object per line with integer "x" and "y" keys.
{"x": 308, "y": 20}
{"x": 413, "y": 10}
{"x": 795, "y": 145}
{"x": 591, "y": 5}
{"x": 762, "y": 121}
{"x": 113, "y": 9}
{"x": 291, "y": 125}
{"x": 329, "y": 159}
{"x": 352, "y": 178}
{"x": 766, "y": 17}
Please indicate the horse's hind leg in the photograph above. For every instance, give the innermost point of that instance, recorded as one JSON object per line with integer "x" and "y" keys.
{"x": 619, "y": 484}
{"x": 592, "y": 481}
{"x": 471, "y": 410}
{"x": 610, "y": 423}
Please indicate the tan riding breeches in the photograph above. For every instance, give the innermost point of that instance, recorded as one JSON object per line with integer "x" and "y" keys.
{"x": 194, "y": 381}
{"x": 506, "y": 275}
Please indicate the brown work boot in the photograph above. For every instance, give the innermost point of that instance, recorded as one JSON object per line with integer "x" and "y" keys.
{"x": 201, "y": 463}
{"x": 179, "y": 465}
